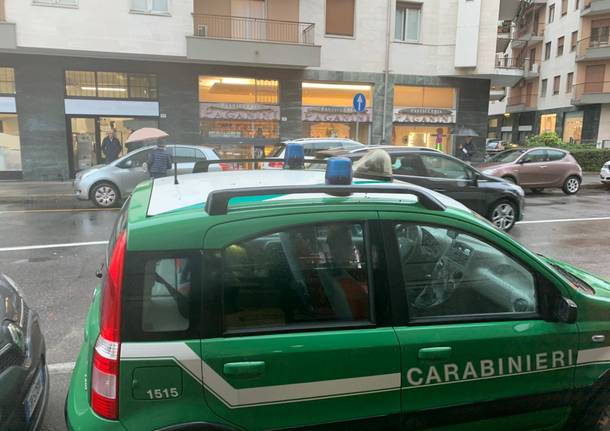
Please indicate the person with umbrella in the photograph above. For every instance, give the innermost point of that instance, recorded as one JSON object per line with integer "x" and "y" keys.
{"x": 159, "y": 161}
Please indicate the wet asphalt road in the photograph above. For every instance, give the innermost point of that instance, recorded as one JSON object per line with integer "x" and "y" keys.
{"x": 58, "y": 282}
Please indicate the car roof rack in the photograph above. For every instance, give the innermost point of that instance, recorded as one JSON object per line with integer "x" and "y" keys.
{"x": 218, "y": 200}
{"x": 204, "y": 165}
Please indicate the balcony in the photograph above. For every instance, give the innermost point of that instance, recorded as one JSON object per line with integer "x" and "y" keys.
{"x": 507, "y": 72}
{"x": 527, "y": 35}
{"x": 497, "y": 93}
{"x": 8, "y": 31}
{"x": 531, "y": 69}
{"x": 595, "y": 7}
{"x": 252, "y": 41}
{"x": 597, "y": 48}
{"x": 504, "y": 36}
{"x": 589, "y": 93}
{"x": 521, "y": 102}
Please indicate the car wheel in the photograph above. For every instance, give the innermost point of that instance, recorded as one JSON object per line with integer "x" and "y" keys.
{"x": 597, "y": 415}
{"x": 537, "y": 190}
{"x": 510, "y": 179}
{"x": 105, "y": 195}
{"x": 571, "y": 185}
{"x": 503, "y": 215}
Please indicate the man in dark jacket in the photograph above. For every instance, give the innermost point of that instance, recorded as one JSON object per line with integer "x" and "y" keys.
{"x": 159, "y": 161}
{"x": 111, "y": 147}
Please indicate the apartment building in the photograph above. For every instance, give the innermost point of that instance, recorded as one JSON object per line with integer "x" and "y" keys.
{"x": 239, "y": 74}
{"x": 563, "y": 47}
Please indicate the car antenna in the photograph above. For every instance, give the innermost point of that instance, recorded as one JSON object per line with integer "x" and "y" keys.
{"x": 175, "y": 167}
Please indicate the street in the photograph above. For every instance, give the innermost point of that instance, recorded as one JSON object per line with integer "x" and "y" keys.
{"x": 58, "y": 280}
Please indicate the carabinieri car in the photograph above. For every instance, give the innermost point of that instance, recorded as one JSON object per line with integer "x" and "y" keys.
{"x": 290, "y": 299}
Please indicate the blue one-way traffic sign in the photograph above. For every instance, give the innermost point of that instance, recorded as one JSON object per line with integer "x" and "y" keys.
{"x": 360, "y": 102}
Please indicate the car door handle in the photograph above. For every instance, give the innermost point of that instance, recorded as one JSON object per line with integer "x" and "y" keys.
{"x": 244, "y": 369}
{"x": 431, "y": 353}
{"x": 542, "y": 167}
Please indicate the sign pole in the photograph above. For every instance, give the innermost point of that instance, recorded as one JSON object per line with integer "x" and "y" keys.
{"x": 357, "y": 127}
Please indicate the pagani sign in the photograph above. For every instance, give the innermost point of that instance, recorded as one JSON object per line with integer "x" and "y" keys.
{"x": 336, "y": 114}
{"x": 424, "y": 115}
{"x": 239, "y": 111}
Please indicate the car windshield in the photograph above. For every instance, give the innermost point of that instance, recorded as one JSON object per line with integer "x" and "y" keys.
{"x": 278, "y": 151}
{"x": 506, "y": 156}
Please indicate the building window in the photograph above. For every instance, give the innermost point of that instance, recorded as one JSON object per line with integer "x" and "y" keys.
{"x": 160, "y": 7}
{"x": 572, "y": 127}
{"x": 423, "y": 116}
{"x": 328, "y": 110}
{"x": 560, "y": 43}
{"x": 556, "y": 85}
{"x": 543, "y": 88}
{"x": 564, "y": 7}
{"x": 7, "y": 80}
{"x": 547, "y": 123}
{"x": 69, "y": 3}
{"x": 574, "y": 41}
{"x": 340, "y": 17}
{"x": 547, "y": 51}
{"x": 10, "y": 146}
{"x": 551, "y": 13}
{"x": 234, "y": 110}
{"x": 408, "y": 22}
{"x": 577, "y": 5}
{"x": 111, "y": 85}
{"x": 493, "y": 123}
{"x": 569, "y": 82}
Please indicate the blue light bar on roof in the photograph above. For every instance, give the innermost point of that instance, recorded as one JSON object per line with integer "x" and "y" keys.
{"x": 339, "y": 171}
{"x": 294, "y": 157}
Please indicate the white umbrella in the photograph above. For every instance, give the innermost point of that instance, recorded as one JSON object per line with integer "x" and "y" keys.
{"x": 146, "y": 134}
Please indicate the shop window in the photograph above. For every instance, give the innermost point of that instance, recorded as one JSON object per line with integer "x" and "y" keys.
{"x": 111, "y": 85}
{"x": 572, "y": 127}
{"x": 493, "y": 123}
{"x": 543, "y": 86}
{"x": 10, "y": 146}
{"x": 560, "y": 43}
{"x": 570, "y": 82}
{"x": 574, "y": 41}
{"x": 150, "y": 6}
{"x": 330, "y": 94}
{"x": 408, "y": 22}
{"x": 237, "y": 90}
{"x": 424, "y": 97}
{"x": 556, "y": 85}
{"x": 548, "y": 123}
{"x": 7, "y": 80}
{"x": 340, "y": 17}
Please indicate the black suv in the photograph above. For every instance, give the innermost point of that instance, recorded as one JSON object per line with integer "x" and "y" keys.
{"x": 495, "y": 199}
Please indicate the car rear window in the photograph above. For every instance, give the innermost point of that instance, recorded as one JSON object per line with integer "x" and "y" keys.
{"x": 160, "y": 295}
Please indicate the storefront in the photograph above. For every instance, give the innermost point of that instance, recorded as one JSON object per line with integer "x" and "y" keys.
{"x": 10, "y": 146}
{"x": 572, "y": 127}
{"x": 239, "y": 116}
{"x": 424, "y": 116}
{"x": 548, "y": 123}
{"x": 328, "y": 111}
{"x": 99, "y": 102}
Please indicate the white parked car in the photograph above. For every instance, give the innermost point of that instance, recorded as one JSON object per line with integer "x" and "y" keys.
{"x": 605, "y": 174}
{"x": 106, "y": 185}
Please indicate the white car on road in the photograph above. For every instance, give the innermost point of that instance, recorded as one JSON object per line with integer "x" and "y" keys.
{"x": 106, "y": 185}
{"x": 605, "y": 174}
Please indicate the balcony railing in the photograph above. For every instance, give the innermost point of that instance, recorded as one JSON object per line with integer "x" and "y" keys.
{"x": 528, "y": 100}
{"x": 590, "y": 88}
{"x": 583, "y": 45}
{"x": 509, "y": 63}
{"x": 529, "y": 30}
{"x": 253, "y": 29}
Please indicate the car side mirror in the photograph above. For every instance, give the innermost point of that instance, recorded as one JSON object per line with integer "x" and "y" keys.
{"x": 566, "y": 310}
{"x": 100, "y": 271}
{"x": 128, "y": 164}
{"x": 523, "y": 161}
{"x": 475, "y": 179}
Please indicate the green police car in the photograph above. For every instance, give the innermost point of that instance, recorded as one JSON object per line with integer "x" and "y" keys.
{"x": 293, "y": 299}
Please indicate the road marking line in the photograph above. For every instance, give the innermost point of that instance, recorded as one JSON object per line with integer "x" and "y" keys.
{"x": 59, "y": 210}
{"x": 38, "y": 247}
{"x": 61, "y": 368}
{"x": 564, "y": 220}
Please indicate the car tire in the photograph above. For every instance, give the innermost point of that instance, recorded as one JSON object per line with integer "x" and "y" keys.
{"x": 503, "y": 215}
{"x": 571, "y": 186}
{"x": 510, "y": 179}
{"x": 597, "y": 414}
{"x": 537, "y": 190}
{"x": 105, "y": 195}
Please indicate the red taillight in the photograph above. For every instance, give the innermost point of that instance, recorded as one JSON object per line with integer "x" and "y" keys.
{"x": 105, "y": 371}
{"x": 225, "y": 167}
{"x": 277, "y": 165}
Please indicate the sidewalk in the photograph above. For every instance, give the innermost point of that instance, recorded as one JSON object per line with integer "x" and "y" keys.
{"x": 57, "y": 193}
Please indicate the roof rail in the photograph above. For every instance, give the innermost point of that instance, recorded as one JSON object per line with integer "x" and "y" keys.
{"x": 203, "y": 165}
{"x": 218, "y": 200}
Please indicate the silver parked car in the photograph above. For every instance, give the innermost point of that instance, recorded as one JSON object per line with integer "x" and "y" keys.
{"x": 106, "y": 185}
